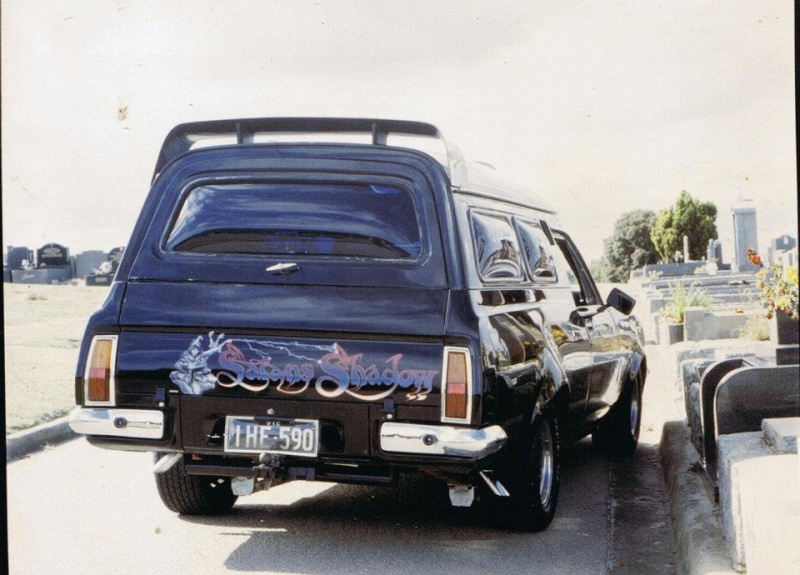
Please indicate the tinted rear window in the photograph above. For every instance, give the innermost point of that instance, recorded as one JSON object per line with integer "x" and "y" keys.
{"x": 298, "y": 219}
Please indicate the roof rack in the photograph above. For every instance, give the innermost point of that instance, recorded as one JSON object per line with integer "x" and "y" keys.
{"x": 182, "y": 137}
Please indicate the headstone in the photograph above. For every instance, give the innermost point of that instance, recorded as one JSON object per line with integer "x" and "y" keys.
{"x": 88, "y": 261}
{"x": 103, "y": 273}
{"x": 783, "y": 244}
{"x": 745, "y": 234}
{"x": 16, "y": 256}
{"x": 52, "y": 256}
{"x": 714, "y": 252}
{"x": 42, "y": 275}
{"x": 783, "y": 250}
{"x": 114, "y": 256}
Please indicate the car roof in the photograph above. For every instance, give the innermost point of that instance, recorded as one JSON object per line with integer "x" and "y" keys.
{"x": 477, "y": 178}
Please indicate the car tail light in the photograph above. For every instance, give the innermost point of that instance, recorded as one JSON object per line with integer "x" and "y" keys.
{"x": 99, "y": 377}
{"x": 456, "y": 385}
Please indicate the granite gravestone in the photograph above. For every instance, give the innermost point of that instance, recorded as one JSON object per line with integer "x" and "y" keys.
{"x": 745, "y": 234}
{"x": 784, "y": 243}
{"x": 52, "y": 256}
{"x": 114, "y": 256}
{"x": 104, "y": 274}
{"x": 52, "y": 266}
{"x": 15, "y": 257}
{"x": 86, "y": 262}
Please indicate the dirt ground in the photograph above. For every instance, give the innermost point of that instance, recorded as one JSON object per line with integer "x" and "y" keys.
{"x": 43, "y": 330}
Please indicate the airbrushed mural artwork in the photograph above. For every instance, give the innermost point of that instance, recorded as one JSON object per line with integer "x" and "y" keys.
{"x": 292, "y": 368}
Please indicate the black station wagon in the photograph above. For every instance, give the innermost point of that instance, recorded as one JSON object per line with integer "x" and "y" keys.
{"x": 351, "y": 312}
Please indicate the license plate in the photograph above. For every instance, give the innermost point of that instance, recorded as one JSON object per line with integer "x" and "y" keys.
{"x": 264, "y": 435}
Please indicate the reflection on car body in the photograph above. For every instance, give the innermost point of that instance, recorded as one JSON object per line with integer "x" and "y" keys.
{"x": 352, "y": 312}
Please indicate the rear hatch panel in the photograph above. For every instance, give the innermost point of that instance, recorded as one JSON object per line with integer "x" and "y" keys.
{"x": 293, "y": 282}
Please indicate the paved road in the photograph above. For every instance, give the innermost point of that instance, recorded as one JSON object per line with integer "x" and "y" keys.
{"x": 79, "y": 510}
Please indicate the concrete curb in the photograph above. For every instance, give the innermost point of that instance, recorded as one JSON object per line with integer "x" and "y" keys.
{"x": 698, "y": 530}
{"x": 24, "y": 443}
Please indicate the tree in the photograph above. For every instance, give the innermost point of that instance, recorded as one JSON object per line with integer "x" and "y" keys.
{"x": 630, "y": 247}
{"x": 599, "y": 270}
{"x": 688, "y": 217}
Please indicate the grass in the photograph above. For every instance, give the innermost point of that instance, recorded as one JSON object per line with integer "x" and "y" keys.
{"x": 43, "y": 330}
{"x": 681, "y": 298}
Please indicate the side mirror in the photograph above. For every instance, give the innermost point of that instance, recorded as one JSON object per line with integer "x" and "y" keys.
{"x": 621, "y": 301}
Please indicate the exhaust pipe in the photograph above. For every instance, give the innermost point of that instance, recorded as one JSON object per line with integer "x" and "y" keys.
{"x": 496, "y": 487}
{"x": 167, "y": 462}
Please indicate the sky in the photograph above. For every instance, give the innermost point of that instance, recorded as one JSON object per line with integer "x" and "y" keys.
{"x": 598, "y": 107}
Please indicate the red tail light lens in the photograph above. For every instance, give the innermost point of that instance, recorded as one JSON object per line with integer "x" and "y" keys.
{"x": 99, "y": 378}
{"x": 457, "y": 386}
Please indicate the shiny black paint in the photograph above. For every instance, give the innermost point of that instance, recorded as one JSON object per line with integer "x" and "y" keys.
{"x": 533, "y": 347}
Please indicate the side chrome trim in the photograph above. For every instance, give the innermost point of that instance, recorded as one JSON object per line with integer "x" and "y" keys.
{"x": 131, "y": 423}
{"x": 441, "y": 439}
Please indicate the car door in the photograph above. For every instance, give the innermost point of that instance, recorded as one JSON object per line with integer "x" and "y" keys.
{"x": 598, "y": 320}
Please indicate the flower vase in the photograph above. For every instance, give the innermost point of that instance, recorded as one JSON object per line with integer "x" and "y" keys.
{"x": 674, "y": 333}
{"x": 783, "y": 330}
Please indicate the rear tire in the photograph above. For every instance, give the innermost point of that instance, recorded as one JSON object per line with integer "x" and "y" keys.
{"x": 194, "y": 494}
{"x": 619, "y": 435}
{"x": 535, "y": 479}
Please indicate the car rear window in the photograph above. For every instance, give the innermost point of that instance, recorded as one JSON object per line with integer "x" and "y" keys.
{"x": 298, "y": 219}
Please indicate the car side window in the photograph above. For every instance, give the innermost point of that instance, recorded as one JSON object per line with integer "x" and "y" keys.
{"x": 496, "y": 248}
{"x": 583, "y": 288}
{"x": 537, "y": 252}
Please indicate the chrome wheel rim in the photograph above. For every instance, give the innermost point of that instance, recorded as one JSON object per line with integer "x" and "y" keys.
{"x": 634, "y": 408}
{"x": 546, "y": 465}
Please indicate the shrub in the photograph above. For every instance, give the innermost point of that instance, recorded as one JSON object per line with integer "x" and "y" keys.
{"x": 681, "y": 298}
{"x": 756, "y": 329}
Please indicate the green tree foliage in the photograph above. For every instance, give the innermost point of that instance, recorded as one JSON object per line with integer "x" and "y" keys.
{"x": 630, "y": 247}
{"x": 688, "y": 217}
{"x": 599, "y": 270}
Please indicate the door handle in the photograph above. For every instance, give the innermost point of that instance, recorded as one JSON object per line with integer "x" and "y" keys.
{"x": 283, "y": 269}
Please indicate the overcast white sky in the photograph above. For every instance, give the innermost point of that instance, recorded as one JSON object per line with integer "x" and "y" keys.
{"x": 600, "y": 107}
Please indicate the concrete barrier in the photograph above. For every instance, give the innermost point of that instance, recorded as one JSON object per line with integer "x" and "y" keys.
{"x": 748, "y": 396}
{"x": 759, "y": 497}
{"x": 32, "y": 440}
{"x": 708, "y": 324}
{"x": 691, "y": 505}
{"x": 734, "y": 449}
{"x": 769, "y": 503}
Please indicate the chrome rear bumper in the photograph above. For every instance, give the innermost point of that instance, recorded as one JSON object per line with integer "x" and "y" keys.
{"x": 130, "y": 423}
{"x": 441, "y": 439}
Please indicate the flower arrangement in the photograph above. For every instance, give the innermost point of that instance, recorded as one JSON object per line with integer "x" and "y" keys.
{"x": 779, "y": 286}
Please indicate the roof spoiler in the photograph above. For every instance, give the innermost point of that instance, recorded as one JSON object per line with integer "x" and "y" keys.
{"x": 182, "y": 137}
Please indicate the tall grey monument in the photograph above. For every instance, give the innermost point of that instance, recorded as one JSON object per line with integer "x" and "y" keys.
{"x": 745, "y": 234}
